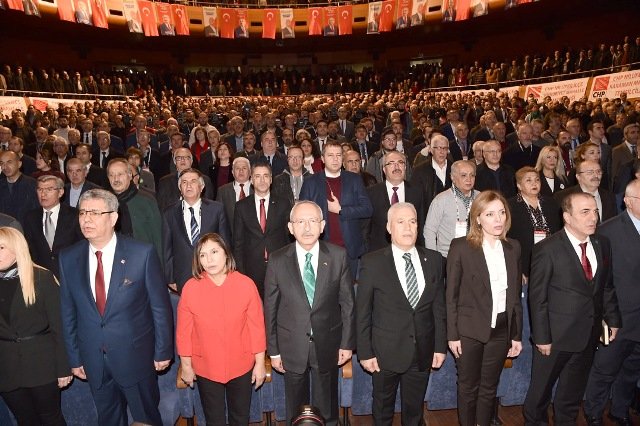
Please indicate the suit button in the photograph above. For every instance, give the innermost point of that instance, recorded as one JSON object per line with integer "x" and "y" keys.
{"x": 311, "y": 338}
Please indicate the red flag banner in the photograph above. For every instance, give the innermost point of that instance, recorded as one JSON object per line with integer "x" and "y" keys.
{"x": 227, "y": 23}
{"x": 242, "y": 28}
{"x": 132, "y": 16}
{"x": 315, "y": 20}
{"x": 15, "y": 5}
{"x": 269, "y": 23}
{"x": 65, "y": 10}
{"x": 149, "y": 21}
{"x": 287, "y": 23}
{"x": 100, "y": 14}
{"x": 345, "y": 19}
{"x": 210, "y": 19}
{"x": 165, "y": 18}
{"x": 330, "y": 26}
{"x": 403, "y": 19}
{"x": 386, "y": 16}
{"x": 181, "y": 19}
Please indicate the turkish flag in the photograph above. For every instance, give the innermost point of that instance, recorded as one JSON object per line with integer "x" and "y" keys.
{"x": 315, "y": 21}
{"x": 65, "y": 10}
{"x": 345, "y": 19}
{"x": 227, "y": 22}
{"x": 181, "y": 19}
{"x": 269, "y": 23}
{"x": 386, "y": 16}
{"x": 100, "y": 14}
{"x": 148, "y": 14}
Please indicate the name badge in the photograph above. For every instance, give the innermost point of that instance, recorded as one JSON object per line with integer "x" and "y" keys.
{"x": 461, "y": 229}
{"x": 538, "y": 236}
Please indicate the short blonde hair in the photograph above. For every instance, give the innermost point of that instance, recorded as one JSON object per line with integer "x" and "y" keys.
{"x": 475, "y": 235}
{"x": 15, "y": 241}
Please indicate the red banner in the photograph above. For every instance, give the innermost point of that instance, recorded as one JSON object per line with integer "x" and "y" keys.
{"x": 100, "y": 14}
{"x": 15, "y": 5}
{"x": 345, "y": 21}
{"x": 386, "y": 16}
{"x": 181, "y": 19}
{"x": 65, "y": 10}
{"x": 315, "y": 20}
{"x": 330, "y": 28}
{"x": 227, "y": 22}
{"x": 269, "y": 23}
{"x": 165, "y": 17}
{"x": 148, "y": 15}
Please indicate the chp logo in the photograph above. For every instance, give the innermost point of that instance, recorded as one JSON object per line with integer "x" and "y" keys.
{"x": 600, "y": 86}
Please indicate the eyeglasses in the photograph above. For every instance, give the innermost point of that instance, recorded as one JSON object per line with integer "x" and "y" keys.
{"x": 400, "y": 163}
{"x": 92, "y": 214}
{"x": 182, "y": 158}
{"x": 47, "y": 190}
{"x": 302, "y": 222}
{"x": 591, "y": 172}
{"x": 442, "y": 148}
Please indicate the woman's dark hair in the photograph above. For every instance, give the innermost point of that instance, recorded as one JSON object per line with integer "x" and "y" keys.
{"x": 196, "y": 267}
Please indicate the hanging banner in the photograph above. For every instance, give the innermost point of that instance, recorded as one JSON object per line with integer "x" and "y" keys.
{"x": 149, "y": 21}
{"x": 83, "y": 12}
{"x": 228, "y": 22}
{"x": 132, "y": 16}
{"x": 373, "y": 17}
{"x": 386, "y": 17}
{"x": 479, "y": 8}
{"x": 269, "y": 23}
{"x": 402, "y": 20}
{"x": 345, "y": 22}
{"x": 180, "y": 19}
{"x": 31, "y": 8}
{"x": 210, "y": 17}
{"x": 331, "y": 28}
{"x": 100, "y": 14}
{"x": 287, "y": 23}
{"x": 10, "y": 103}
{"x": 165, "y": 17}
{"x": 242, "y": 28}
{"x": 417, "y": 12}
{"x": 573, "y": 89}
{"x": 65, "y": 11}
{"x": 611, "y": 85}
{"x": 315, "y": 20}
{"x": 15, "y": 5}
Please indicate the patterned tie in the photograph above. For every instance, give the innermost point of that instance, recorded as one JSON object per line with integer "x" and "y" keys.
{"x": 586, "y": 265}
{"x": 242, "y": 195}
{"x": 394, "y": 196}
{"x": 101, "y": 294}
{"x": 195, "y": 229}
{"x": 49, "y": 229}
{"x": 412, "y": 281}
{"x": 634, "y": 151}
{"x": 309, "y": 279}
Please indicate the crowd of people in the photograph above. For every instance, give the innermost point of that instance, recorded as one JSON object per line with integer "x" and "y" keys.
{"x": 559, "y": 64}
{"x": 270, "y": 209}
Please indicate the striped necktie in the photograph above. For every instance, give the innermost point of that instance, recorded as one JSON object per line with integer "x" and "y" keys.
{"x": 195, "y": 229}
{"x": 412, "y": 281}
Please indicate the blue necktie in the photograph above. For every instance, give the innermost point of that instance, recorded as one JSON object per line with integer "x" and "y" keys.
{"x": 195, "y": 229}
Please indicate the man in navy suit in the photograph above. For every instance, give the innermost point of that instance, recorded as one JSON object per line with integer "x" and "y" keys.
{"x": 179, "y": 235}
{"x": 344, "y": 203}
{"x": 117, "y": 319}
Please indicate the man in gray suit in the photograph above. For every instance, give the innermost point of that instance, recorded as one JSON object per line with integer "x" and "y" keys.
{"x": 309, "y": 314}
{"x": 237, "y": 190}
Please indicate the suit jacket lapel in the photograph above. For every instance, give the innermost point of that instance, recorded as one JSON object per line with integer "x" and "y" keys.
{"x": 272, "y": 213}
{"x": 512, "y": 266}
{"x": 180, "y": 222}
{"x": 322, "y": 273}
{"x": 394, "y": 278}
{"x": 83, "y": 264}
{"x": 118, "y": 273}
{"x": 429, "y": 279}
{"x": 205, "y": 217}
{"x": 575, "y": 261}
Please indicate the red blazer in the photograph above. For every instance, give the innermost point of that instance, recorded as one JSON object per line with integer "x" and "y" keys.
{"x": 220, "y": 327}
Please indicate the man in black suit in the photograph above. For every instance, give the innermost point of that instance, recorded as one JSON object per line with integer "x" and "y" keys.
{"x": 184, "y": 223}
{"x": 94, "y": 174}
{"x": 616, "y": 367}
{"x": 346, "y": 127}
{"x": 232, "y": 192}
{"x": 309, "y": 314}
{"x": 570, "y": 294}
{"x": 385, "y": 194}
{"x": 588, "y": 175}
{"x": 460, "y": 146}
{"x": 169, "y": 187}
{"x": 53, "y": 226}
{"x": 150, "y": 157}
{"x": 289, "y": 183}
{"x": 401, "y": 287}
{"x": 17, "y": 191}
{"x": 270, "y": 154}
{"x": 16, "y": 145}
{"x": 434, "y": 176}
{"x": 78, "y": 183}
{"x": 523, "y": 152}
{"x": 101, "y": 157}
{"x": 493, "y": 174}
{"x": 259, "y": 227}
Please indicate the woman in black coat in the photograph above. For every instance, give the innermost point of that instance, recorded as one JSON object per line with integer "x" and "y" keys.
{"x": 33, "y": 358}
{"x": 534, "y": 216}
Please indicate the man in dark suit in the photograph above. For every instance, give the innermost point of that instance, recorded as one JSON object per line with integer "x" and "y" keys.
{"x": 78, "y": 183}
{"x": 523, "y": 152}
{"x": 460, "y": 146}
{"x": 241, "y": 30}
{"x": 345, "y": 127}
{"x": 140, "y": 125}
{"x": 149, "y": 157}
{"x": 101, "y": 157}
{"x": 270, "y": 154}
{"x": 259, "y": 226}
{"x": 232, "y": 192}
{"x": 588, "y": 175}
{"x": 343, "y": 200}
{"x": 117, "y": 321}
{"x": 53, "y": 226}
{"x": 330, "y": 29}
{"x": 434, "y": 176}
{"x": 309, "y": 314}
{"x": 93, "y": 174}
{"x": 392, "y": 191}
{"x": 570, "y": 293}
{"x": 627, "y": 150}
{"x": 616, "y": 367}
{"x": 402, "y": 287}
{"x": 493, "y": 174}
{"x": 184, "y": 223}
{"x": 169, "y": 186}
{"x": 289, "y": 183}
{"x": 17, "y": 191}
{"x": 165, "y": 28}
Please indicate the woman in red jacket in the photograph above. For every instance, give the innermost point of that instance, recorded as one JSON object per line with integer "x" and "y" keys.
{"x": 220, "y": 333}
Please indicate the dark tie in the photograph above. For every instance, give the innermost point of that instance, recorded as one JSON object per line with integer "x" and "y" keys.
{"x": 103, "y": 160}
{"x": 195, "y": 229}
{"x": 363, "y": 151}
{"x": 586, "y": 265}
{"x": 242, "y": 195}
{"x": 86, "y": 138}
{"x": 412, "y": 281}
{"x": 634, "y": 151}
{"x": 394, "y": 196}
{"x": 101, "y": 294}
{"x": 309, "y": 279}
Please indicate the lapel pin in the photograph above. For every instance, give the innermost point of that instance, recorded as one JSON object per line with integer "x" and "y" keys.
{"x": 123, "y": 261}
{"x": 325, "y": 263}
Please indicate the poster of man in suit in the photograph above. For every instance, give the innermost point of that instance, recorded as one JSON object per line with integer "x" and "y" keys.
{"x": 210, "y": 15}
{"x": 373, "y": 23}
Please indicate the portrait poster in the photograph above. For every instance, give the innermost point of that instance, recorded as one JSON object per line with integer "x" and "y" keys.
{"x": 242, "y": 24}
{"x": 132, "y": 16}
{"x": 373, "y": 17}
{"x": 83, "y": 12}
{"x": 417, "y": 12}
{"x": 210, "y": 19}
{"x": 287, "y": 23}
{"x": 403, "y": 18}
{"x": 166, "y": 26}
{"x": 330, "y": 24}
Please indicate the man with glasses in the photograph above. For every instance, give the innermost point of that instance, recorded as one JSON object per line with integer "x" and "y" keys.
{"x": 492, "y": 174}
{"x": 168, "y": 187}
{"x": 395, "y": 189}
{"x": 375, "y": 164}
{"x": 78, "y": 183}
{"x": 116, "y": 314}
{"x": 434, "y": 175}
{"x": 53, "y": 226}
{"x": 588, "y": 175}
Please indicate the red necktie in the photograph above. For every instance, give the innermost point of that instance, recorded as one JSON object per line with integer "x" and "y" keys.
{"x": 263, "y": 216}
{"x": 242, "y": 194}
{"x": 394, "y": 197}
{"x": 586, "y": 265}
{"x": 101, "y": 294}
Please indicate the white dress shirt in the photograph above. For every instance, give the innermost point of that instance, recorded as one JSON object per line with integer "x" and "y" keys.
{"x": 400, "y": 263}
{"x": 494, "y": 256}
{"x": 591, "y": 253}
{"x": 108, "y": 255}
{"x": 186, "y": 215}
{"x": 441, "y": 172}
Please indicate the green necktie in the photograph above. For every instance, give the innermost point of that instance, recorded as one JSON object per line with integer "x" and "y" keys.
{"x": 309, "y": 279}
